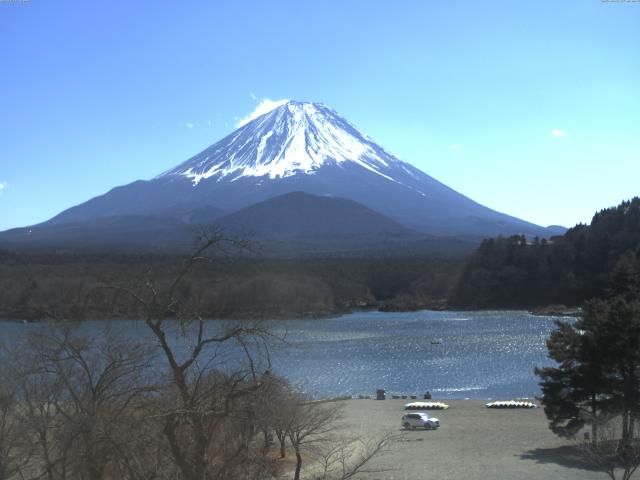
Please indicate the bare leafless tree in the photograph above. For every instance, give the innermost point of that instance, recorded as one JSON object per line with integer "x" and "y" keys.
{"x": 38, "y": 391}
{"x": 77, "y": 396}
{"x": 101, "y": 378}
{"x": 278, "y": 404}
{"x": 15, "y": 453}
{"x": 347, "y": 458}
{"x": 206, "y": 413}
{"x": 310, "y": 426}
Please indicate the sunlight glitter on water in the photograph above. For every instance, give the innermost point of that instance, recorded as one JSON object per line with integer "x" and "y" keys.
{"x": 478, "y": 354}
{"x": 454, "y": 354}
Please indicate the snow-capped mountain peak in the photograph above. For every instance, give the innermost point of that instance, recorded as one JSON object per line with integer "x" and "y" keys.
{"x": 297, "y": 147}
{"x": 294, "y": 138}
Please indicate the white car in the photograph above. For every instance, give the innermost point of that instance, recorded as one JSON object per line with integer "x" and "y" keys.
{"x": 422, "y": 420}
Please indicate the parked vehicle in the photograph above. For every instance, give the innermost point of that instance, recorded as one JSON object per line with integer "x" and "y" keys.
{"x": 422, "y": 420}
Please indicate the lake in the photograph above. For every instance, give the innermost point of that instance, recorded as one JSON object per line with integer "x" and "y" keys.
{"x": 488, "y": 354}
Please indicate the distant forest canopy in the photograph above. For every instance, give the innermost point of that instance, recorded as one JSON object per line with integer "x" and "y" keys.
{"x": 588, "y": 261}
{"x": 597, "y": 260}
{"x": 79, "y": 287}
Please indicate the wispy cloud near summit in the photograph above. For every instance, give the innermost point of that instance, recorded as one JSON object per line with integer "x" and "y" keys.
{"x": 265, "y": 106}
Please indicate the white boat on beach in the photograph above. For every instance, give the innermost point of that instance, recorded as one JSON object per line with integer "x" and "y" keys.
{"x": 426, "y": 406}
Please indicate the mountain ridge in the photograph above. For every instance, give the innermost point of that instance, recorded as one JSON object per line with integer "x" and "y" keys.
{"x": 301, "y": 147}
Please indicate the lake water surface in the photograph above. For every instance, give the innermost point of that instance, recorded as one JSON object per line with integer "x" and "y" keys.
{"x": 452, "y": 354}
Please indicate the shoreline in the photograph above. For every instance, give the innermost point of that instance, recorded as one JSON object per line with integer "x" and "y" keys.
{"x": 361, "y": 397}
{"x": 546, "y": 311}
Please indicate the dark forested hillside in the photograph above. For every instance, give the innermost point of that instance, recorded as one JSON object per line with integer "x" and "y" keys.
{"x": 595, "y": 260}
{"x": 589, "y": 261}
{"x": 76, "y": 287}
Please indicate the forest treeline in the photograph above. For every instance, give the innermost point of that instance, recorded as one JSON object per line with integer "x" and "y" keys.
{"x": 589, "y": 261}
{"x": 76, "y": 287}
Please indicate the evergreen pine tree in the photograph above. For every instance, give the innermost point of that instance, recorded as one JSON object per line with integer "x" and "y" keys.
{"x": 598, "y": 372}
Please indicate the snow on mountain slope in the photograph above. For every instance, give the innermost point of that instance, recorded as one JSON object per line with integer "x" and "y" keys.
{"x": 295, "y": 138}
{"x": 302, "y": 147}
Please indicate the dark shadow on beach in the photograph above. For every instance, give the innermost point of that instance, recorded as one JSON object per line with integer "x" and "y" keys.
{"x": 566, "y": 456}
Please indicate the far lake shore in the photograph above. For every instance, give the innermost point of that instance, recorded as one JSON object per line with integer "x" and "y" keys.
{"x": 544, "y": 311}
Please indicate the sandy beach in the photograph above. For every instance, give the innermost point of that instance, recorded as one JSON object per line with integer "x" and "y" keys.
{"x": 473, "y": 442}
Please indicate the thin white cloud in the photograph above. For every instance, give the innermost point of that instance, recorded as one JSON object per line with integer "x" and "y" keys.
{"x": 265, "y": 106}
{"x": 252, "y": 95}
{"x": 558, "y": 133}
{"x": 454, "y": 147}
{"x": 189, "y": 125}
{"x": 3, "y": 185}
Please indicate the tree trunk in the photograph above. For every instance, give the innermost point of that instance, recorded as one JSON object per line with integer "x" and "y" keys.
{"x": 199, "y": 453}
{"x": 266, "y": 444}
{"x": 44, "y": 444}
{"x": 298, "y": 463}
{"x": 594, "y": 421}
{"x": 625, "y": 428}
{"x": 281, "y": 435}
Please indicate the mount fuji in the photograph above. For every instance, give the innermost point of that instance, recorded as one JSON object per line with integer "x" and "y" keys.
{"x": 296, "y": 147}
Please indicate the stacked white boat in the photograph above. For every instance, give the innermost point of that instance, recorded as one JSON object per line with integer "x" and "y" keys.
{"x": 512, "y": 404}
{"x": 426, "y": 406}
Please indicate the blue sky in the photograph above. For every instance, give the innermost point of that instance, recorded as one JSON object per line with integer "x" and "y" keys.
{"x": 529, "y": 107}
